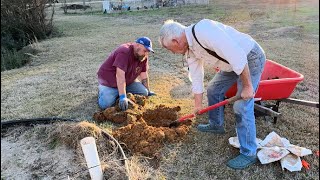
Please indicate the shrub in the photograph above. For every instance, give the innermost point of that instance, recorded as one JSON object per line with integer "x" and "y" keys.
{"x": 11, "y": 59}
{"x": 22, "y": 22}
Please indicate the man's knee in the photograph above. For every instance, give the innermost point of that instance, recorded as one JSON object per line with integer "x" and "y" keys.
{"x": 239, "y": 107}
{"x": 144, "y": 92}
{"x": 106, "y": 102}
{"x": 212, "y": 90}
{"x": 107, "y": 96}
{"x": 137, "y": 88}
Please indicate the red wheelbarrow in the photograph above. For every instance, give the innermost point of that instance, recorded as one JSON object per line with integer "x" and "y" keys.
{"x": 277, "y": 83}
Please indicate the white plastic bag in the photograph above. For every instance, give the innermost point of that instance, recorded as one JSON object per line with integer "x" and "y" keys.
{"x": 234, "y": 141}
{"x": 271, "y": 154}
{"x": 291, "y": 162}
{"x": 273, "y": 139}
{"x": 275, "y": 148}
{"x": 299, "y": 151}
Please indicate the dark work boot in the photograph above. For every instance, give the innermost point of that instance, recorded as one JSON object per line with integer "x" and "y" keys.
{"x": 211, "y": 128}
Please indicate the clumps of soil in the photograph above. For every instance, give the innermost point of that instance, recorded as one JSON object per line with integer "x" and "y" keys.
{"x": 145, "y": 130}
{"x": 147, "y": 140}
{"x": 161, "y": 115}
{"x": 114, "y": 114}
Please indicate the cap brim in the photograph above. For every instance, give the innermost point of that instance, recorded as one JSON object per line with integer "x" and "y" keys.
{"x": 149, "y": 49}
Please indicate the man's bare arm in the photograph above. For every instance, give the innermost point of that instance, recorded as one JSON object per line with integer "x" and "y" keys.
{"x": 247, "y": 89}
{"x": 145, "y": 79}
{"x": 198, "y": 102}
{"x": 121, "y": 81}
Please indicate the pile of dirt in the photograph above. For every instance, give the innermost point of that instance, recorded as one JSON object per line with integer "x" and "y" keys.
{"x": 114, "y": 114}
{"x": 144, "y": 131}
{"x": 143, "y": 138}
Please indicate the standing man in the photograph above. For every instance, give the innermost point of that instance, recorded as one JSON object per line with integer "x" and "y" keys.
{"x": 238, "y": 58}
{"x": 118, "y": 75}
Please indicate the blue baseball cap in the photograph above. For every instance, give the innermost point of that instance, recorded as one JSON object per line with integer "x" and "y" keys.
{"x": 146, "y": 42}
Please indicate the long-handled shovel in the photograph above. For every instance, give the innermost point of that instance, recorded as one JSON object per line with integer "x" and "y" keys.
{"x": 222, "y": 103}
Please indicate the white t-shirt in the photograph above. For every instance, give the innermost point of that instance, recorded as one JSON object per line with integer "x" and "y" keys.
{"x": 227, "y": 42}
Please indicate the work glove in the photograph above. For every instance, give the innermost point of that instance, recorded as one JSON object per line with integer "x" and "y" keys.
{"x": 123, "y": 102}
{"x": 151, "y": 93}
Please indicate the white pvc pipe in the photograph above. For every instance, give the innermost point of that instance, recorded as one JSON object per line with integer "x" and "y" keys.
{"x": 90, "y": 152}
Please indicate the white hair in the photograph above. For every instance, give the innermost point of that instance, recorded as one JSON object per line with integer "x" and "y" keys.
{"x": 170, "y": 30}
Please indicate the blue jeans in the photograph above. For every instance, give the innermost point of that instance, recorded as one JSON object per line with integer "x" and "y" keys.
{"x": 108, "y": 95}
{"x": 243, "y": 109}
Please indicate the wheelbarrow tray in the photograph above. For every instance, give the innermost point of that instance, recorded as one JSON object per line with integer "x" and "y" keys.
{"x": 277, "y": 82}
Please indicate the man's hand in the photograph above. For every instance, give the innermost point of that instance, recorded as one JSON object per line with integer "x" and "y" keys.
{"x": 197, "y": 109}
{"x": 151, "y": 93}
{"x": 123, "y": 102}
{"x": 197, "y": 103}
{"x": 247, "y": 93}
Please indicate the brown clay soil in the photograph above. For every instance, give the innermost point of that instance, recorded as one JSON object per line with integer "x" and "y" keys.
{"x": 145, "y": 131}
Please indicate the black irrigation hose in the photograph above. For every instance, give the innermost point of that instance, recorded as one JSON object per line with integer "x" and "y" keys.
{"x": 28, "y": 122}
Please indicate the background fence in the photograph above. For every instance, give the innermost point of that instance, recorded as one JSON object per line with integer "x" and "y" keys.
{"x": 110, "y": 6}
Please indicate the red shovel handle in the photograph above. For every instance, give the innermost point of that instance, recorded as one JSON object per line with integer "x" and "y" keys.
{"x": 186, "y": 117}
{"x": 222, "y": 103}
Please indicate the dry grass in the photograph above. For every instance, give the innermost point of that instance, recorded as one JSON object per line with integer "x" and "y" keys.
{"x": 61, "y": 80}
{"x": 70, "y": 134}
{"x": 25, "y": 154}
{"x": 139, "y": 168}
{"x": 63, "y": 140}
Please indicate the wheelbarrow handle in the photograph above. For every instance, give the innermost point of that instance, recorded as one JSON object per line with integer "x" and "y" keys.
{"x": 222, "y": 103}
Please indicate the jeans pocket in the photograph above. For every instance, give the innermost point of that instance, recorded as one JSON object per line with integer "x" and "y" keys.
{"x": 254, "y": 54}
{"x": 254, "y": 67}
{"x": 256, "y": 61}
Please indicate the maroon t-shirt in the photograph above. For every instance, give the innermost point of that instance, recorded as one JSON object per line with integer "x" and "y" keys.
{"x": 123, "y": 58}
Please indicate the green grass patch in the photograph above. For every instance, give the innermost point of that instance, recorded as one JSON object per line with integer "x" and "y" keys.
{"x": 196, "y": 11}
{"x": 311, "y": 28}
{"x": 107, "y": 126}
{"x": 302, "y": 16}
{"x": 11, "y": 59}
{"x": 53, "y": 143}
